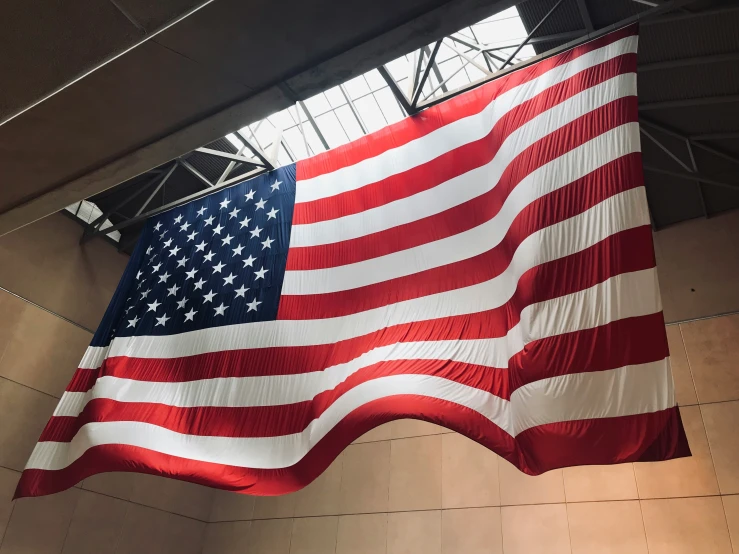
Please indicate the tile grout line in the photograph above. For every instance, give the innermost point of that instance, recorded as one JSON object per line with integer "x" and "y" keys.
{"x": 57, "y": 398}
{"x": 47, "y": 310}
{"x": 643, "y": 525}
{"x": 690, "y": 366}
{"x": 336, "y": 514}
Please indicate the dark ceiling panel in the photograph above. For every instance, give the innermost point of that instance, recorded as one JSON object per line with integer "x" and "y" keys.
{"x": 153, "y": 14}
{"x": 694, "y": 81}
{"x": 46, "y": 43}
{"x": 274, "y": 47}
{"x": 137, "y": 98}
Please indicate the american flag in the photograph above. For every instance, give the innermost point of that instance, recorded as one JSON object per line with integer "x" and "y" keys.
{"x": 486, "y": 265}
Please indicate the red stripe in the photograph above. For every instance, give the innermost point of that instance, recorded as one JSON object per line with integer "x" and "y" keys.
{"x": 644, "y": 437}
{"x": 476, "y": 211}
{"x": 562, "y": 204}
{"x": 463, "y": 159}
{"x": 464, "y": 105}
{"x": 625, "y": 342}
{"x": 541, "y": 283}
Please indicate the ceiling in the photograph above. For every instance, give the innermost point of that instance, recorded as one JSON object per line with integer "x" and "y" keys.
{"x": 688, "y": 88}
{"x": 185, "y": 85}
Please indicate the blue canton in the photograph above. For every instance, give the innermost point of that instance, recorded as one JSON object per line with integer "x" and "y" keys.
{"x": 219, "y": 260}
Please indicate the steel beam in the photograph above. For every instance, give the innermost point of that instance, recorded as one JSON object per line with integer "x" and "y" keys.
{"x": 696, "y": 144}
{"x": 691, "y": 177}
{"x": 395, "y": 89}
{"x": 432, "y": 60}
{"x": 157, "y": 189}
{"x": 314, "y": 124}
{"x": 227, "y": 155}
{"x": 255, "y": 149}
{"x": 567, "y": 35}
{"x": 689, "y": 102}
{"x": 353, "y": 108}
{"x": 716, "y": 136}
{"x": 531, "y": 33}
{"x": 698, "y": 184}
{"x": 585, "y": 15}
{"x": 196, "y": 173}
{"x": 686, "y": 62}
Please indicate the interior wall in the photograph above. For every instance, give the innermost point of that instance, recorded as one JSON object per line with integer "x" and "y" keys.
{"x": 39, "y": 351}
{"x": 410, "y": 487}
{"x": 698, "y": 264}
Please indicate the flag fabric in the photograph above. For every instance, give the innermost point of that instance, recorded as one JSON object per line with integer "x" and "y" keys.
{"x": 486, "y": 265}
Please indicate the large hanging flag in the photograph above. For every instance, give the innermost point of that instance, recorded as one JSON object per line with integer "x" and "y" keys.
{"x": 486, "y": 265}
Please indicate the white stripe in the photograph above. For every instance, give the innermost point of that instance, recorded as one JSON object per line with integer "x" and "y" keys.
{"x": 453, "y": 135}
{"x": 559, "y": 173}
{"x": 471, "y": 184}
{"x": 286, "y": 333}
{"x": 587, "y": 309}
{"x": 619, "y": 392}
{"x": 93, "y": 357}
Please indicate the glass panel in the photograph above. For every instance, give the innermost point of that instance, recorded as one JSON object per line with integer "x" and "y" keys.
{"x": 294, "y": 140}
{"x": 388, "y": 105}
{"x": 317, "y": 105}
{"x": 349, "y": 122}
{"x": 335, "y": 97}
{"x": 370, "y": 112}
{"x": 375, "y": 80}
{"x": 282, "y": 120}
{"x": 356, "y": 87}
{"x": 331, "y": 129}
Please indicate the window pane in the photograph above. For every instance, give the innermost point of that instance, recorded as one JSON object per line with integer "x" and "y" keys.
{"x": 388, "y": 105}
{"x": 295, "y": 140}
{"x": 356, "y": 87}
{"x": 282, "y": 120}
{"x": 335, "y": 97}
{"x": 349, "y": 122}
{"x": 317, "y": 105}
{"x": 375, "y": 80}
{"x": 370, "y": 112}
{"x": 331, "y": 129}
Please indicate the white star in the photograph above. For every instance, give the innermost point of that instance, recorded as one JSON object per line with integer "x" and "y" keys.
{"x": 191, "y": 236}
{"x": 199, "y": 284}
{"x": 155, "y": 268}
{"x": 189, "y": 315}
{"x": 267, "y": 243}
{"x": 173, "y": 290}
{"x": 190, "y": 274}
{"x": 200, "y": 247}
{"x": 209, "y": 256}
{"x": 253, "y": 305}
{"x": 218, "y": 267}
{"x": 158, "y": 226}
{"x": 233, "y": 213}
{"x": 162, "y": 320}
{"x": 237, "y": 251}
{"x": 182, "y": 261}
{"x": 241, "y": 291}
{"x": 249, "y": 261}
{"x": 185, "y": 226}
{"x": 145, "y": 294}
{"x": 148, "y": 250}
{"x": 202, "y": 210}
{"x": 250, "y": 195}
{"x": 178, "y": 218}
{"x": 225, "y": 203}
{"x": 245, "y": 223}
{"x": 163, "y": 277}
{"x": 226, "y": 240}
{"x": 229, "y": 280}
{"x": 181, "y": 303}
{"x": 133, "y": 322}
{"x": 260, "y": 274}
{"x": 217, "y": 229}
{"x": 174, "y": 251}
{"x": 275, "y": 186}
{"x": 255, "y": 232}
{"x": 153, "y": 306}
{"x": 209, "y": 220}
{"x": 129, "y": 308}
{"x": 209, "y": 297}
{"x": 139, "y": 274}
{"x": 220, "y": 310}
{"x": 161, "y": 236}
{"x": 261, "y": 203}
{"x": 272, "y": 214}
{"x": 167, "y": 243}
